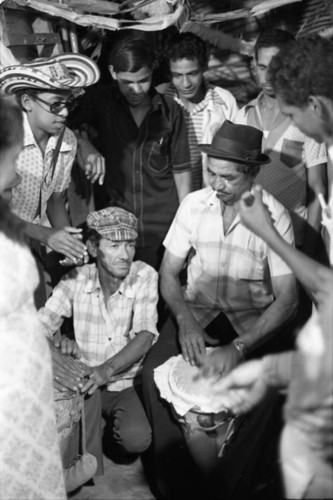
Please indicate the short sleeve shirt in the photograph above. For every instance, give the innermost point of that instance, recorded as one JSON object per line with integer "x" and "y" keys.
{"x": 30, "y": 197}
{"x": 103, "y": 329}
{"x": 229, "y": 272}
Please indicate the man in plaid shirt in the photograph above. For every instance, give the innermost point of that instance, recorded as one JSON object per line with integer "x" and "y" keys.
{"x": 113, "y": 305}
{"x": 238, "y": 293}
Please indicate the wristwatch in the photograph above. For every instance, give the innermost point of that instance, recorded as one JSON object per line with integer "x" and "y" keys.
{"x": 241, "y": 347}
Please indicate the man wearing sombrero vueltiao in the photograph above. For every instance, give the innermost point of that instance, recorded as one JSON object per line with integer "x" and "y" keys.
{"x": 46, "y": 90}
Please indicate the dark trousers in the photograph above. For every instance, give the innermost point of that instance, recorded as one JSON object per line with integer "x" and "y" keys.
{"x": 170, "y": 469}
{"x": 126, "y": 431}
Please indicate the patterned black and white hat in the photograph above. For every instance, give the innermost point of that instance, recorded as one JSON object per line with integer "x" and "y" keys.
{"x": 114, "y": 223}
{"x": 63, "y": 72}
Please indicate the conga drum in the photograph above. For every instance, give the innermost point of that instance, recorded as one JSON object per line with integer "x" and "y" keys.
{"x": 207, "y": 433}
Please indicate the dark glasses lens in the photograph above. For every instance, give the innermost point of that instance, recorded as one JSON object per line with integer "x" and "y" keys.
{"x": 57, "y": 107}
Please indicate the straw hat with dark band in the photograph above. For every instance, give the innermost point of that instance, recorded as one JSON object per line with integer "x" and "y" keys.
{"x": 63, "y": 72}
{"x": 237, "y": 143}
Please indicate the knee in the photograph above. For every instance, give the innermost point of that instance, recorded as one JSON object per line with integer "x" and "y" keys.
{"x": 134, "y": 439}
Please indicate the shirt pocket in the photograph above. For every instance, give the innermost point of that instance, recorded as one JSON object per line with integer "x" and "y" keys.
{"x": 159, "y": 155}
{"x": 252, "y": 268}
{"x": 291, "y": 152}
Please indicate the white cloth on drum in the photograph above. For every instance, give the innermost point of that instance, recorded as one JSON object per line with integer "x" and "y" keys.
{"x": 162, "y": 381}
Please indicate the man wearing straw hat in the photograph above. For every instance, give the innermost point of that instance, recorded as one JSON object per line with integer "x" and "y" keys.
{"x": 46, "y": 90}
{"x": 238, "y": 292}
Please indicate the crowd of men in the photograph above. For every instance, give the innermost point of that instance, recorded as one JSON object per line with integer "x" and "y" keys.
{"x": 213, "y": 227}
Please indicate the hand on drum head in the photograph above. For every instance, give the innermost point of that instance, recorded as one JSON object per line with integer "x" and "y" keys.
{"x": 191, "y": 339}
{"x": 242, "y": 389}
{"x": 220, "y": 361}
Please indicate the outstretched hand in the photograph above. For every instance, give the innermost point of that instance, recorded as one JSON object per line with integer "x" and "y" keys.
{"x": 254, "y": 213}
{"x": 242, "y": 389}
{"x": 67, "y": 241}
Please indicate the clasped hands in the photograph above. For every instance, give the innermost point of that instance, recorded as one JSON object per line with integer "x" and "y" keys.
{"x": 71, "y": 375}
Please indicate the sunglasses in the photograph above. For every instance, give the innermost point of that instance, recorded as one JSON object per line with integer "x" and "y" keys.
{"x": 56, "y": 107}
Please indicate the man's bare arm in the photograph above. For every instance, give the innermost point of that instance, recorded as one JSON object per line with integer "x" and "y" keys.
{"x": 191, "y": 335}
{"x": 256, "y": 217}
{"x": 124, "y": 359}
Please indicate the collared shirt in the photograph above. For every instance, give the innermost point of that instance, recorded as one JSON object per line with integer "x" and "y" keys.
{"x": 229, "y": 272}
{"x": 291, "y": 153}
{"x": 103, "y": 329}
{"x": 30, "y": 197}
{"x": 217, "y": 101}
{"x": 140, "y": 161}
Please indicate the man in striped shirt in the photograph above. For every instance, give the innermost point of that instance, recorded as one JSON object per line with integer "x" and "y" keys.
{"x": 205, "y": 107}
{"x": 113, "y": 305}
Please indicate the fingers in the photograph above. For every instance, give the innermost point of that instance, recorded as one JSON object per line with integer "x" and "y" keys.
{"x": 193, "y": 349}
{"x": 62, "y": 241}
{"x": 69, "y": 347}
{"x": 88, "y": 386}
{"x": 95, "y": 168}
{"x": 71, "y": 229}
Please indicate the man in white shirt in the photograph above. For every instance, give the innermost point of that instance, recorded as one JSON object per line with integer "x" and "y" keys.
{"x": 297, "y": 170}
{"x": 238, "y": 293}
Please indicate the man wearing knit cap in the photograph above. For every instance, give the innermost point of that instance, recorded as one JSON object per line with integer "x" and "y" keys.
{"x": 113, "y": 305}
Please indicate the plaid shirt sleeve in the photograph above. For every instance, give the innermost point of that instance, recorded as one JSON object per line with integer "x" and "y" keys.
{"x": 145, "y": 305}
{"x": 178, "y": 238}
{"x": 59, "y": 305}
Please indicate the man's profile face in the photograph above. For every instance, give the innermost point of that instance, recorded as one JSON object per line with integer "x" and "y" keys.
{"x": 227, "y": 182}
{"x": 134, "y": 86}
{"x": 305, "y": 120}
{"x": 264, "y": 57}
{"x": 115, "y": 257}
{"x": 40, "y": 116}
{"x": 187, "y": 77}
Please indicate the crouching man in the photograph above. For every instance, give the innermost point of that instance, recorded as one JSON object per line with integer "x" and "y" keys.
{"x": 113, "y": 305}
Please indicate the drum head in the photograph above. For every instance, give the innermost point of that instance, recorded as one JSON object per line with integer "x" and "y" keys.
{"x": 186, "y": 385}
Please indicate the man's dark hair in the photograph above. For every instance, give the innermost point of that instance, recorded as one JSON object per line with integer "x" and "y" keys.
{"x": 130, "y": 53}
{"x": 273, "y": 37}
{"x": 187, "y": 46}
{"x": 303, "y": 69}
{"x": 91, "y": 235}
